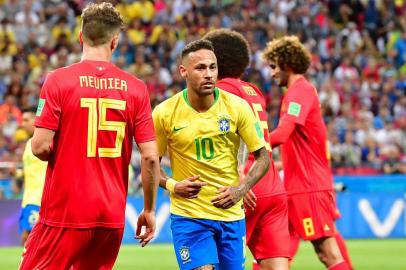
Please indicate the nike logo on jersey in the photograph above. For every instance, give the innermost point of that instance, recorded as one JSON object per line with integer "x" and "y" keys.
{"x": 179, "y": 128}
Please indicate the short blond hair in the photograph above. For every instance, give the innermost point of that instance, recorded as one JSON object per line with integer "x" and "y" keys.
{"x": 100, "y": 22}
{"x": 288, "y": 51}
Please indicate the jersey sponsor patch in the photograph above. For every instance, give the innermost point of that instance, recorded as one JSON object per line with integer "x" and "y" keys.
{"x": 294, "y": 108}
{"x": 41, "y": 103}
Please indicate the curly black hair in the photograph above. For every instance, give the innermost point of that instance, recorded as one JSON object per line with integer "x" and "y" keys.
{"x": 232, "y": 52}
{"x": 288, "y": 51}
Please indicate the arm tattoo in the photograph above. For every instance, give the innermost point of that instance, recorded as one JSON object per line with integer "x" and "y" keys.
{"x": 258, "y": 169}
{"x": 242, "y": 155}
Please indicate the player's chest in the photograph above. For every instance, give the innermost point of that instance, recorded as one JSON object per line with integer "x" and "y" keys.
{"x": 188, "y": 129}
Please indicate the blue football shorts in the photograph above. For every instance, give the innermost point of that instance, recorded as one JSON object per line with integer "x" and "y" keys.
{"x": 199, "y": 242}
{"x": 28, "y": 217}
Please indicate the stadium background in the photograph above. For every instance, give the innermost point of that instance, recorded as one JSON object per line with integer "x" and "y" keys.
{"x": 359, "y": 69}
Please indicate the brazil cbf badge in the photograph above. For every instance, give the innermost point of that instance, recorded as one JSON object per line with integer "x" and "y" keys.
{"x": 224, "y": 124}
{"x": 184, "y": 254}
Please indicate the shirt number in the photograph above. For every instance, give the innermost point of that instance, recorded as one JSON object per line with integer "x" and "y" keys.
{"x": 97, "y": 121}
{"x": 308, "y": 226}
{"x": 264, "y": 125}
{"x": 205, "y": 148}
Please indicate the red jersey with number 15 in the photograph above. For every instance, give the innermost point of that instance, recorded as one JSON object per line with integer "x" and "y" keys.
{"x": 96, "y": 110}
{"x": 304, "y": 154}
{"x": 271, "y": 183}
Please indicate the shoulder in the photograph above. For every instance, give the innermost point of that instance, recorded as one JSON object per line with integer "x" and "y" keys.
{"x": 167, "y": 106}
{"x": 230, "y": 85}
{"x": 235, "y": 103}
{"x": 301, "y": 88}
{"x": 228, "y": 97}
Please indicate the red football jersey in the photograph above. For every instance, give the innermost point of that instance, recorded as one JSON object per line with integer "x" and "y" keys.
{"x": 271, "y": 183}
{"x": 304, "y": 154}
{"x": 96, "y": 110}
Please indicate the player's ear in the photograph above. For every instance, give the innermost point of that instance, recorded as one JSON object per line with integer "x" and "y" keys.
{"x": 182, "y": 71}
{"x": 81, "y": 38}
{"x": 114, "y": 43}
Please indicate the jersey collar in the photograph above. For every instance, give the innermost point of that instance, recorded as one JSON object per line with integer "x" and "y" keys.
{"x": 216, "y": 97}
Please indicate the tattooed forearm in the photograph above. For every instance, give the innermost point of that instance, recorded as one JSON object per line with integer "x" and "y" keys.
{"x": 258, "y": 169}
{"x": 242, "y": 155}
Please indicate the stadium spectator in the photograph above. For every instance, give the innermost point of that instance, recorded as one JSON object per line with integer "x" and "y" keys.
{"x": 82, "y": 216}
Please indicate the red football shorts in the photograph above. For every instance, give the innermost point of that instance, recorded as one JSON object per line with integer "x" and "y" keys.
{"x": 66, "y": 248}
{"x": 267, "y": 228}
{"x": 312, "y": 215}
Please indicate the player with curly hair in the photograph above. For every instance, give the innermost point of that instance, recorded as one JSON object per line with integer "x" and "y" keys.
{"x": 303, "y": 138}
{"x": 266, "y": 208}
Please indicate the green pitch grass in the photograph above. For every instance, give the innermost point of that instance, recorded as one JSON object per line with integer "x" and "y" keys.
{"x": 366, "y": 255}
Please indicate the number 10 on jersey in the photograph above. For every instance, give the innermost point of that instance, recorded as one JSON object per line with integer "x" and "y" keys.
{"x": 97, "y": 121}
{"x": 204, "y": 148}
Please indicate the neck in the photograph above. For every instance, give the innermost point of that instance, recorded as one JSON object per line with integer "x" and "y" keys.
{"x": 200, "y": 103}
{"x": 99, "y": 53}
{"x": 293, "y": 78}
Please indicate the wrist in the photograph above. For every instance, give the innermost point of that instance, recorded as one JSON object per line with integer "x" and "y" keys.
{"x": 243, "y": 188}
{"x": 170, "y": 185}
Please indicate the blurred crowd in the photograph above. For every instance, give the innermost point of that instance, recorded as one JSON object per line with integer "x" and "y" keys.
{"x": 358, "y": 48}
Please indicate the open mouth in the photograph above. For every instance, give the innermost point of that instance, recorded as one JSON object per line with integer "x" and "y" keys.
{"x": 208, "y": 84}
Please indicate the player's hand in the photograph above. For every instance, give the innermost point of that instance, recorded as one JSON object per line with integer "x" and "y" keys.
{"x": 147, "y": 220}
{"x": 250, "y": 200}
{"x": 228, "y": 197}
{"x": 189, "y": 187}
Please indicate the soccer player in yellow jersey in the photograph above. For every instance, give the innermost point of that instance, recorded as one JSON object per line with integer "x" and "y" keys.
{"x": 34, "y": 177}
{"x": 201, "y": 128}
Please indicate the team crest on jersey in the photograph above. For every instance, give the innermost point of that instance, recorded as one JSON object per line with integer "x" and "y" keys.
{"x": 224, "y": 124}
{"x": 184, "y": 254}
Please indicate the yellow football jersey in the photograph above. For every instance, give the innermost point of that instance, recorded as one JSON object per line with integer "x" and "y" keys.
{"x": 206, "y": 144}
{"x": 34, "y": 177}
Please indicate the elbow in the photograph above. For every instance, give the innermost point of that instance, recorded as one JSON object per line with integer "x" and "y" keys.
{"x": 40, "y": 150}
{"x": 151, "y": 160}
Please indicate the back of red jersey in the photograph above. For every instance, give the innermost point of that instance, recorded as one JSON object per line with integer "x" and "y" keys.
{"x": 96, "y": 110}
{"x": 304, "y": 154}
{"x": 271, "y": 183}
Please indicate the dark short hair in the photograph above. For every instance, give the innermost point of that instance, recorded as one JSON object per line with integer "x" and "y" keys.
{"x": 232, "y": 52}
{"x": 195, "y": 46}
{"x": 30, "y": 110}
{"x": 288, "y": 51}
{"x": 100, "y": 22}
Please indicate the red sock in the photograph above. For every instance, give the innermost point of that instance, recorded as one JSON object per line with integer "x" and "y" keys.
{"x": 340, "y": 266}
{"x": 343, "y": 249}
